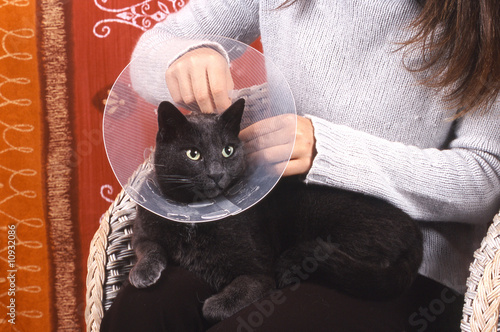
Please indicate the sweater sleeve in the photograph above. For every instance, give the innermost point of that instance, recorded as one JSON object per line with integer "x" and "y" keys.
{"x": 460, "y": 182}
{"x": 182, "y": 31}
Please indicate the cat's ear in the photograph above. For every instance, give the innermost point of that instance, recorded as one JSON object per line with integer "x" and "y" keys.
{"x": 169, "y": 119}
{"x": 231, "y": 118}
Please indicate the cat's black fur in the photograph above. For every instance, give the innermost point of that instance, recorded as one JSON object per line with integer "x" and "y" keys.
{"x": 356, "y": 243}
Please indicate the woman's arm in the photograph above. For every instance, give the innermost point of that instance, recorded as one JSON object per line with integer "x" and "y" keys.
{"x": 460, "y": 182}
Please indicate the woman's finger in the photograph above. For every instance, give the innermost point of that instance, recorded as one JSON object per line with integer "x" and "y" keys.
{"x": 202, "y": 93}
{"x": 220, "y": 83}
{"x": 285, "y": 124}
{"x": 262, "y": 142}
{"x": 272, "y": 155}
{"x": 186, "y": 88}
{"x": 173, "y": 87}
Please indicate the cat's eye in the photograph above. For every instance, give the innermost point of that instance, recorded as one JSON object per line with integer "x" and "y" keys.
{"x": 228, "y": 151}
{"x": 193, "y": 154}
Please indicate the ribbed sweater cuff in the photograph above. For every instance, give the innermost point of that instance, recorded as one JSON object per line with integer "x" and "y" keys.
{"x": 342, "y": 159}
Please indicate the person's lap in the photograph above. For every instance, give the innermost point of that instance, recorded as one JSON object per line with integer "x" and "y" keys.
{"x": 175, "y": 303}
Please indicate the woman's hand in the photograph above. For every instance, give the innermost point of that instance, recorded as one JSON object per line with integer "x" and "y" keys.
{"x": 270, "y": 142}
{"x": 201, "y": 77}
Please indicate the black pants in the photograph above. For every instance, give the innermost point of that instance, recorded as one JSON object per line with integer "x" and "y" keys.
{"x": 174, "y": 305}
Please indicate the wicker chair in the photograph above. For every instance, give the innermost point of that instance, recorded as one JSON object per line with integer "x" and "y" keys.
{"x": 111, "y": 258}
{"x": 482, "y": 299}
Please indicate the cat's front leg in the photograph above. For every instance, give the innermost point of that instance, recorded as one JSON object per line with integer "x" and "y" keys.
{"x": 241, "y": 292}
{"x": 151, "y": 261}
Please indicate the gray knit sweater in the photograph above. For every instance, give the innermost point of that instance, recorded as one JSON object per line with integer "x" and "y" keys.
{"x": 377, "y": 130}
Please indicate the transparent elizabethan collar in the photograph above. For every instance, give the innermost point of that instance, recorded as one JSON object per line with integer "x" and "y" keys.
{"x": 130, "y": 126}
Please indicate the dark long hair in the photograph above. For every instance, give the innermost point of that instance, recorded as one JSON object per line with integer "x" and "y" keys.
{"x": 460, "y": 44}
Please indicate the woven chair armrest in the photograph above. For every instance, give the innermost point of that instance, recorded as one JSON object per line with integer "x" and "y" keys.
{"x": 482, "y": 299}
{"x": 110, "y": 259}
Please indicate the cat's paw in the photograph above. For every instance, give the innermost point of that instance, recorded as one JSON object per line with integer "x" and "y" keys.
{"x": 146, "y": 273}
{"x": 218, "y": 307}
{"x": 287, "y": 277}
{"x": 240, "y": 293}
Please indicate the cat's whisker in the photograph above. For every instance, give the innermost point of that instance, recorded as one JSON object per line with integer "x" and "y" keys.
{"x": 175, "y": 180}
{"x": 159, "y": 165}
{"x": 173, "y": 177}
{"x": 179, "y": 181}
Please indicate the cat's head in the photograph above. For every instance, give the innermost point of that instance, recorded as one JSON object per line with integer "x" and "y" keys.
{"x": 198, "y": 156}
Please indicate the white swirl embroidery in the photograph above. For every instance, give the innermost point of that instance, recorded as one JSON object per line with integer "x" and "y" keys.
{"x": 17, "y": 3}
{"x": 142, "y": 15}
{"x": 24, "y": 33}
{"x": 107, "y": 189}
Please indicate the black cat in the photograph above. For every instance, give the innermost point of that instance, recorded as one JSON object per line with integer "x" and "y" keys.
{"x": 356, "y": 243}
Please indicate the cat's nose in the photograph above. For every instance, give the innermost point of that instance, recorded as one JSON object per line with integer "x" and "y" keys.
{"x": 216, "y": 177}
